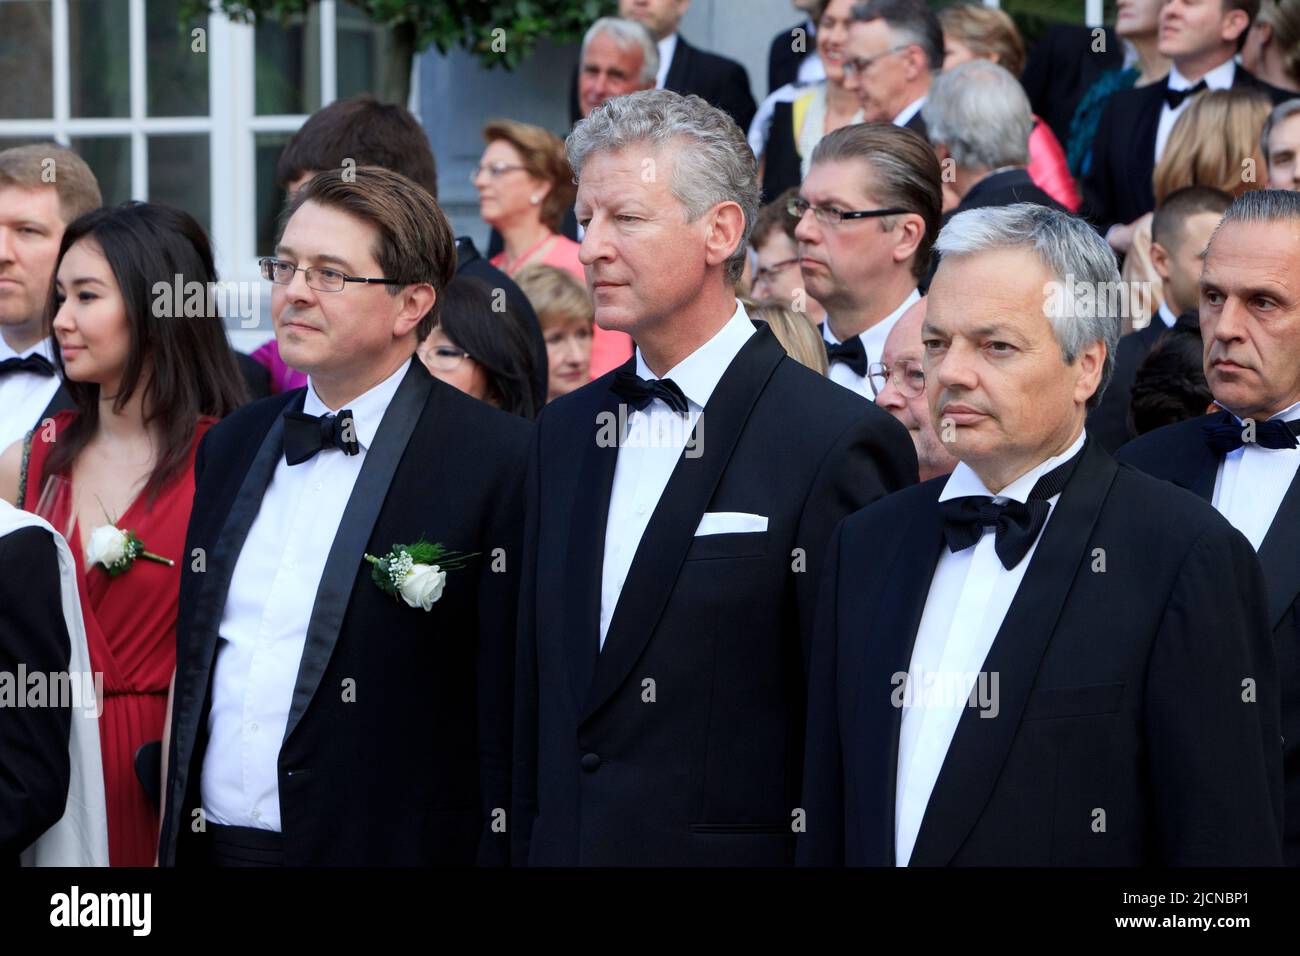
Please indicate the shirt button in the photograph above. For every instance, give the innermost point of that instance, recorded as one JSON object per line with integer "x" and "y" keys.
{"x": 256, "y": 814}
{"x": 253, "y": 727}
{"x": 319, "y": 485}
{"x": 640, "y": 509}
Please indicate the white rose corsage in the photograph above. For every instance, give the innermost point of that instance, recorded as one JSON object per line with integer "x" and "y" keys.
{"x": 415, "y": 573}
{"x": 116, "y": 550}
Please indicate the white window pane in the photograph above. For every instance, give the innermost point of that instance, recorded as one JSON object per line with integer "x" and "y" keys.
{"x": 26, "y": 52}
{"x": 180, "y": 174}
{"x": 287, "y": 65}
{"x": 109, "y": 158}
{"x": 99, "y": 52}
{"x": 177, "y": 73}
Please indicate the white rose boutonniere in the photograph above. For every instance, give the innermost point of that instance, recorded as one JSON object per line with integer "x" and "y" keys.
{"x": 415, "y": 573}
{"x": 115, "y": 550}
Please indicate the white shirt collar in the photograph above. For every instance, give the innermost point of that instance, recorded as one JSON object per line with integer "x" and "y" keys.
{"x": 963, "y": 481}
{"x": 367, "y": 409}
{"x": 887, "y": 323}
{"x": 1167, "y": 315}
{"x": 45, "y": 348}
{"x": 910, "y": 110}
{"x": 698, "y": 374}
{"x": 1219, "y": 78}
{"x": 1289, "y": 414}
{"x": 667, "y": 47}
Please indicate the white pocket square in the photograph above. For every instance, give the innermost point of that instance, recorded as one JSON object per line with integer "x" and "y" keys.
{"x": 730, "y": 522}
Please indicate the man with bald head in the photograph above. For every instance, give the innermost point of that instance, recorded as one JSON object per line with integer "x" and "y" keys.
{"x": 1245, "y": 459}
{"x": 898, "y": 384}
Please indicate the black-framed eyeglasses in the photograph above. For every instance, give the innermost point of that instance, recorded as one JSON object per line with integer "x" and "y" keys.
{"x": 861, "y": 64}
{"x": 320, "y": 278}
{"x": 908, "y": 376}
{"x": 768, "y": 273}
{"x": 833, "y": 215}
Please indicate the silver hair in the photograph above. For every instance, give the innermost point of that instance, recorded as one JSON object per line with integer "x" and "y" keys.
{"x": 714, "y": 166}
{"x": 981, "y": 113}
{"x": 1071, "y": 250}
{"x": 627, "y": 34}
{"x": 1260, "y": 206}
{"x": 1280, "y": 112}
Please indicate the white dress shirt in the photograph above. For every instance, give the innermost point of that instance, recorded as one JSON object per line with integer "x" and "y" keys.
{"x": 1219, "y": 78}
{"x": 264, "y": 624}
{"x": 1167, "y": 316}
{"x": 910, "y": 110}
{"x": 1252, "y": 482}
{"x": 24, "y": 395}
{"x": 969, "y": 597}
{"x": 873, "y": 340}
{"x": 656, "y": 437}
{"x": 667, "y": 47}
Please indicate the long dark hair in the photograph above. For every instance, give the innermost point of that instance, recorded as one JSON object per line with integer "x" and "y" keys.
{"x": 192, "y": 368}
{"x": 495, "y": 339}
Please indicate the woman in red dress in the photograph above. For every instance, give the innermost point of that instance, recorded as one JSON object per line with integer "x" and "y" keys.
{"x": 148, "y": 378}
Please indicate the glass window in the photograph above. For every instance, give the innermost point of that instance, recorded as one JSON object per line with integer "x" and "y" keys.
{"x": 99, "y": 58}
{"x": 360, "y": 52}
{"x": 180, "y": 174}
{"x": 26, "y": 39}
{"x": 176, "y": 73}
{"x": 287, "y": 65}
{"x": 270, "y": 197}
{"x": 109, "y": 158}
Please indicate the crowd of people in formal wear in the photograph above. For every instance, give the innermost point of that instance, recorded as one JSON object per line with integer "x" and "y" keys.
{"x": 900, "y": 469}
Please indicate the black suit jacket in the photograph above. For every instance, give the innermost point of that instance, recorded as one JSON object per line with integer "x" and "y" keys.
{"x": 1062, "y": 66}
{"x": 716, "y": 79}
{"x": 411, "y": 771}
{"x": 1111, "y": 422}
{"x": 34, "y": 769}
{"x": 917, "y": 125}
{"x": 1118, "y": 186}
{"x": 1118, "y": 691}
{"x": 707, "y": 774}
{"x": 783, "y": 61}
{"x": 1005, "y": 189}
{"x": 1178, "y": 453}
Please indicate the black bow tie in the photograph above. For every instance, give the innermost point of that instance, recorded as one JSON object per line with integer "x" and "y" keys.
{"x": 304, "y": 435}
{"x": 852, "y": 353}
{"x": 1174, "y": 98}
{"x": 1225, "y": 434}
{"x": 639, "y": 392}
{"x": 35, "y": 364}
{"x": 1017, "y": 523}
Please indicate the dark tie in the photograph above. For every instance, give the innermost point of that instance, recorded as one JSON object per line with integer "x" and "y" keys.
{"x": 1224, "y": 434}
{"x": 1017, "y": 523}
{"x": 639, "y": 392}
{"x": 852, "y": 353}
{"x": 304, "y": 435}
{"x": 35, "y": 364}
{"x": 1175, "y": 98}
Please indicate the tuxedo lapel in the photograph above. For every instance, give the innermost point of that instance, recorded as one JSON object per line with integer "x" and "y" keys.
{"x": 594, "y": 482}
{"x": 1147, "y": 123}
{"x": 1201, "y": 468}
{"x": 346, "y": 553}
{"x": 980, "y": 744}
{"x": 887, "y": 644}
{"x": 675, "y": 78}
{"x": 668, "y": 536}
{"x": 1280, "y": 556}
{"x": 210, "y": 602}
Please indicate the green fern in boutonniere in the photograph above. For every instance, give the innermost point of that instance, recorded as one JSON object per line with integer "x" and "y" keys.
{"x": 417, "y": 572}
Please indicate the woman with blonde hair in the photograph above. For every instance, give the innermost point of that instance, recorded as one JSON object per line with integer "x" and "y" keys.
{"x": 1215, "y": 142}
{"x": 1272, "y": 48}
{"x": 800, "y": 339}
{"x": 567, "y": 317}
{"x": 525, "y": 187}
{"x": 975, "y": 32}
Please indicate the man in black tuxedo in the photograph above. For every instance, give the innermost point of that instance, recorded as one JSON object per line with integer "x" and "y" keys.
{"x": 33, "y": 637}
{"x": 686, "y": 69}
{"x": 1180, "y": 231}
{"x": 978, "y": 120}
{"x": 669, "y": 576}
{"x": 1244, "y": 460}
{"x": 1063, "y": 65}
{"x": 328, "y": 710}
{"x": 792, "y": 57}
{"x": 1201, "y": 37}
{"x": 1091, "y": 684}
{"x": 34, "y": 211}
{"x": 895, "y": 47}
